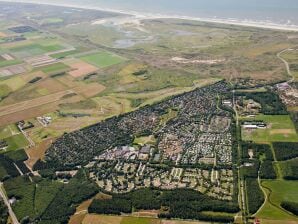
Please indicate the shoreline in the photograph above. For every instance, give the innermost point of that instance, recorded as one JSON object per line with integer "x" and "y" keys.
{"x": 151, "y": 16}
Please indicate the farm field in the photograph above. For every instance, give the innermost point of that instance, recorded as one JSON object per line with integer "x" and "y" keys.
{"x": 277, "y": 191}
{"x": 103, "y": 59}
{"x": 54, "y": 68}
{"x": 280, "y": 128}
{"x": 104, "y": 219}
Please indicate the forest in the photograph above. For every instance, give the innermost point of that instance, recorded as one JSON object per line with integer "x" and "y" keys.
{"x": 270, "y": 102}
{"x": 255, "y": 195}
{"x": 290, "y": 206}
{"x": 3, "y": 213}
{"x": 285, "y": 150}
{"x": 178, "y": 203}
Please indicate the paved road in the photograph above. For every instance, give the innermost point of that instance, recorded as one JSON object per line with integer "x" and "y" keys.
{"x": 10, "y": 211}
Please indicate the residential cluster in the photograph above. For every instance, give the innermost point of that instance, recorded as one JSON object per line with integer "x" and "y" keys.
{"x": 189, "y": 130}
{"x": 123, "y": 176}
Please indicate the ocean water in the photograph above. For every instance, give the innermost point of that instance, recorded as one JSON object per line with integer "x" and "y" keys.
{"x": 275, "y": 11}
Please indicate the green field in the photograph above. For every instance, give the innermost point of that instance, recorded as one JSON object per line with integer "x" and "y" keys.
{"x": 51, "y": 21}
{"x": 55, "y": 68}
{"x": 65, "y": 54}
{"x": 103, "y": 59}
{"x": 280, "y": 128}
{"x": 13, "y": 83}
{"x": 4, "y": 91}
{"x": 34, "y": 49}
{"x": 278, "y": 191}
{"x": 16, "y": 142}
{"x": 9, "y": 63}
{"x": 8, "y": 131}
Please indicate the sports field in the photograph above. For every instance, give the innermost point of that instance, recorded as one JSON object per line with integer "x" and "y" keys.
{"x": 280, "y": 128}
{"x": 103, "y": 59}
{"x": 278, "y": 191}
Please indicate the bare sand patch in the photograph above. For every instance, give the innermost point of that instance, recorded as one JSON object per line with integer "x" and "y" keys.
{"x": 37, "y": 152}
{"x": 197, "y": 61}
{"x": 82, "y": 69}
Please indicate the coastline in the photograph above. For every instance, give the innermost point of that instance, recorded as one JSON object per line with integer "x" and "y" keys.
{"x": 151, "y": 16}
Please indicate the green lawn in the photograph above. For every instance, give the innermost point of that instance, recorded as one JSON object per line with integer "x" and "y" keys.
{"x": 4, "y": 91}
{"x": 103, "y": 59}
{"x": 280, "y": 128}
{"x": 8, "y": 131}
{"x": 35, "y": 49}
{"x": 278, "y": 190}
{"x": 135, "y": 220}
{"x": 16, "y": 142}
{"x": 65, "y": 54}
{"x": 55, "y": 68}
{"x": 9, "y": 63}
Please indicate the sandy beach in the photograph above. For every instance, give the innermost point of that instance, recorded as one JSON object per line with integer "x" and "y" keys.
{"x": 137, "y": 16}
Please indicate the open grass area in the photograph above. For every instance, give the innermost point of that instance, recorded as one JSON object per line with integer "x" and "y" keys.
{"x": 17, "y": 141}
{"x": 103, "y": 59}
{"x": 9, "y": 63}
{"x": 13, "y": 83}
{"x": 55, "y": 68}
{"x": 4, "y": 91}
{"x": 34, "y": 49}
{"x": 145, "y": 140}
{"x": 278, "y": 191}
{"x": 280, "y": 128}
{"x": 53, "y": 20}
{"x": 65, "y": 54}
{"x": 8, "y": 131}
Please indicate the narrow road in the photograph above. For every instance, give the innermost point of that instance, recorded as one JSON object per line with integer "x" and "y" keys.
{"x": 264, "y": 192}
{"x": 241, "y": 193}
{"x": 286, "y": 64}
{"x": 5, "y": 199}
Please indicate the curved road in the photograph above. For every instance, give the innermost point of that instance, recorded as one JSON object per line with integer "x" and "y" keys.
{"x": 5, "y": 199}
{"x": 286, "y": 64}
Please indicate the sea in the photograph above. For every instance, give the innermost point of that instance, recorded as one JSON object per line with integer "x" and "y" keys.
{"x": 283, "y": 12}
